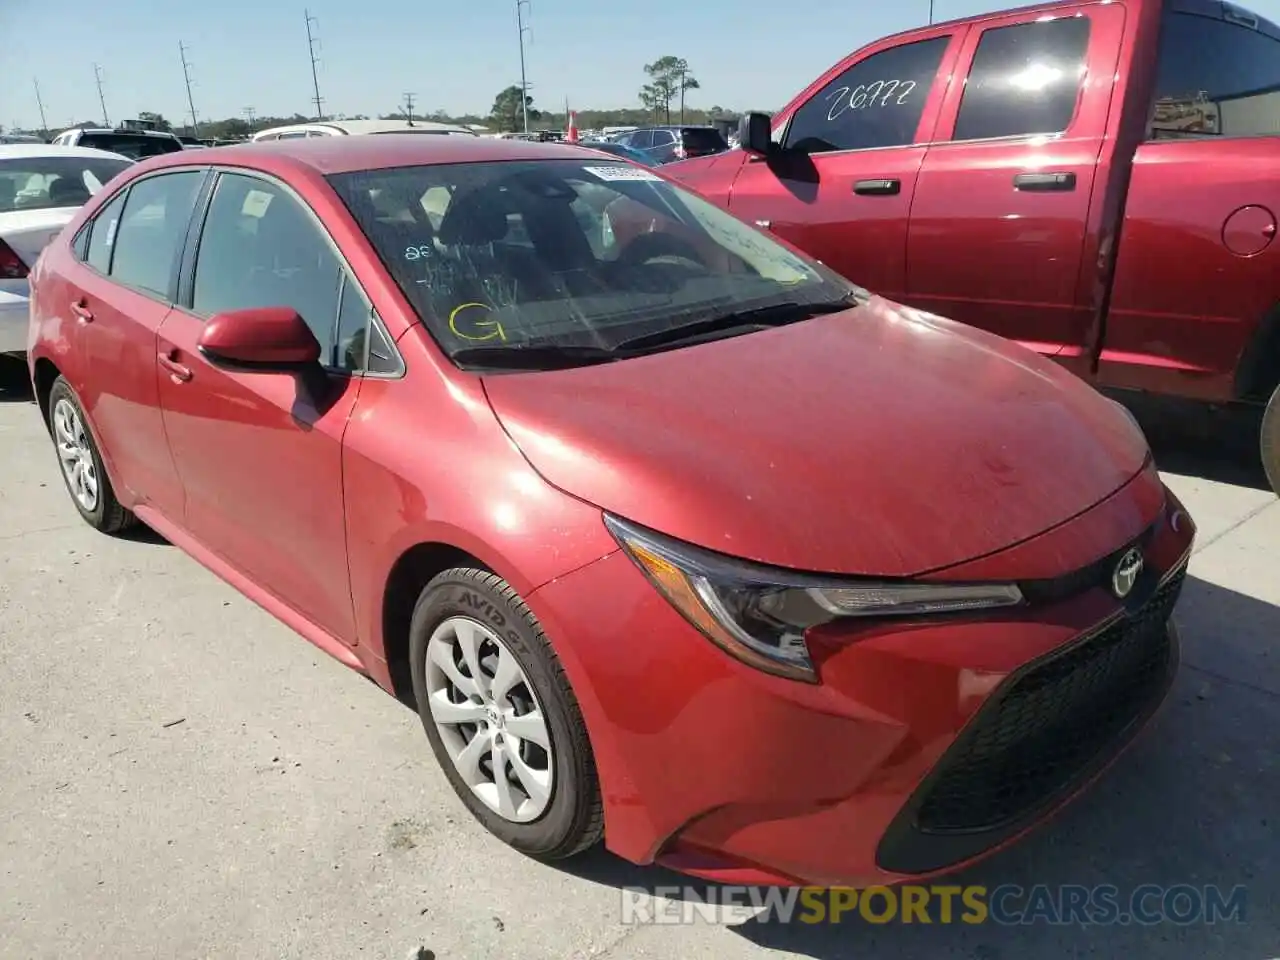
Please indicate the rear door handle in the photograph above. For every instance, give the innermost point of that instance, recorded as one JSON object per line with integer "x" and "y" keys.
{"x": 878, "y": 188}
{"x": 81, "y": 309}
{"x": 1044, "y": 182}
{"x": 177, "y": 371}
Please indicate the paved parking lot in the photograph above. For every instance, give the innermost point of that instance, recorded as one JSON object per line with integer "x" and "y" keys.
{"x": 183, "y": 777}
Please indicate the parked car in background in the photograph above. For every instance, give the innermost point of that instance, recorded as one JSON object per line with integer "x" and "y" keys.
{"x": 19, "y": 138}
{"x": 668, "y": 144}
{"x": 41, "y": 188}
{"x": 1095, "y": 180}
{"x": 620, "y": 150}
{"x": 344, "y": 128}
{"x": 127, "y": 141}
{"x": 918, "y": 577}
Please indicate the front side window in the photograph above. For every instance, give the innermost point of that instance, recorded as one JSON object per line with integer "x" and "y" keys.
{"x": 1215, "y": 78}
{"x": 44, "y": 183}
{"x": 877, "y": 102}
{"x": 261, "y": 248}
{"x": 153, "y": 226}
{"x": 572, "y": 254}
{"x": 1025, "y": 80}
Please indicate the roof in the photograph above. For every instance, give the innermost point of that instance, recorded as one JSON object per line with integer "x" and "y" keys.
{"x": 19, "y": 151}
{"x": 329, "y": 155}
{"x": 367, "y": 126}
{"x": 122, "y": 132}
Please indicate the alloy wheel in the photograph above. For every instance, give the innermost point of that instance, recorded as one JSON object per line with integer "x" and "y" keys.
{"x": 76, "y": 455}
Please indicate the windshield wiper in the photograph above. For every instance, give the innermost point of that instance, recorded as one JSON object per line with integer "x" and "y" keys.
{"x": 537, "y": 357}
{"x": 776, "y": 314}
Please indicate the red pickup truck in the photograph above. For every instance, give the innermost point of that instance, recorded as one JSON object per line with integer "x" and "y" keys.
{"x": 1099, "y": 181}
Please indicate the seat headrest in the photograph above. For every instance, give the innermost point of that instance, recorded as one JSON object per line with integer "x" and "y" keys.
{"x": 474, "y": 219}
{"x": 68, "y": 192}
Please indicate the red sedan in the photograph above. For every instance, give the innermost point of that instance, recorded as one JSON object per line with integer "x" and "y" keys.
{"x": 672, "y": 535}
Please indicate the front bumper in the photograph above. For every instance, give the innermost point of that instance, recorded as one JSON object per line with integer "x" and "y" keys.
{"x": 926, "y": 745}
{"x": 15, "y": 313}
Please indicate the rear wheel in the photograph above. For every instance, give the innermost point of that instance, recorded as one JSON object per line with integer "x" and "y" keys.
{"x": 1271, "y": 441}
{"x": 501, "y": 717}
{"x": 81, "y": 463}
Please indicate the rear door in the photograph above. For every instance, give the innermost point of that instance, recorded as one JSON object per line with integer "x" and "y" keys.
{"x": 841, "y": 187}
{"x": 998, "y": 233}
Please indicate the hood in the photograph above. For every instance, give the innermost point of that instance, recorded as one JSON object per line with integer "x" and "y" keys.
{"x": 28, "y": 232}
{"x": 876, "y": 441}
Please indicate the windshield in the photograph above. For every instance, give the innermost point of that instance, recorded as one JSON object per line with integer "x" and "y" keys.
{"x": 42, "y": 183}
{"x": 571, "y": 253}
{"x": 135, "y": 146}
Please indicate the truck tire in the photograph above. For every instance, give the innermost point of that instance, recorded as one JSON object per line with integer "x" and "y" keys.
{"x": 1271, "y": 441}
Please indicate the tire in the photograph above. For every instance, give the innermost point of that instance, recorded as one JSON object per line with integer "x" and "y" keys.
{"x": 104, "y": 513}
{"x": 568, "y": 818}
{"x": 1270, "y": 441}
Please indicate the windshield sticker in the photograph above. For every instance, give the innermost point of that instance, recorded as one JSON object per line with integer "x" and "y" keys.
{"x": 619, "y": 172}
{"x": 475, "y": 323}
{"x": 256, "y": 203}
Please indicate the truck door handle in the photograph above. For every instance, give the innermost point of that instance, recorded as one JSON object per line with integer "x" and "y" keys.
{"x": 177, "y": 371}
{"x": 878, "y": 188}
{"x": 81, "y": 309}
{"x": 1043, "y": 182}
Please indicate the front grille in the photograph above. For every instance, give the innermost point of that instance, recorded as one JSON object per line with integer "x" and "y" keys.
{"x": 1047, "y": 729}
{"x": 1051, "y": 721}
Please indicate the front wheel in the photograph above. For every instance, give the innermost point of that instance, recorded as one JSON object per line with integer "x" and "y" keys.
{"x": 501, "y": 717}
{"x": 1271, "y": 441}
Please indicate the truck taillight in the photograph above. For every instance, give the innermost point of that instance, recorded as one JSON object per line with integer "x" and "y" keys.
{"x": 11, "y": 265}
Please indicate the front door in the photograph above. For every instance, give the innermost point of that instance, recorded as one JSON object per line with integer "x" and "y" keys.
{"x": 260, "y": 453}
{"x": 841, "y": 186}
{"x": 1001, "y": 226}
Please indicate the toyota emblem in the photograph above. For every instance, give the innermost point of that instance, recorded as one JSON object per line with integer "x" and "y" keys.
{"x": 1126, "y": 573}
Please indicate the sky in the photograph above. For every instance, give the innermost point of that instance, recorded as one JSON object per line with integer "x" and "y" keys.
{"x": 454, "y": 57}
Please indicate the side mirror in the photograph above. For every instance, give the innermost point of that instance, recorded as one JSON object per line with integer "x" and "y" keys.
{"x": 755, "y": 134}
{"x": 267, "y": 338}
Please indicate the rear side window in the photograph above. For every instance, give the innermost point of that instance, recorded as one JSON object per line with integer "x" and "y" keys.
{"x": 701, "y": 139}
{"x": 877, "y": 102}
{"x": 1215, "y": 78}
{"x": 102, "y": 234}
{"x": 1025, "y": 80}
{"x": 149, "y": 238}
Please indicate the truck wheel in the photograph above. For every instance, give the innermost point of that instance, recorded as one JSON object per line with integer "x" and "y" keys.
{"x": 1271, "y": 441}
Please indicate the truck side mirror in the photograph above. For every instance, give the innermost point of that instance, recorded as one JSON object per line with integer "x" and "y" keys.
{"x": 755, "y": 134}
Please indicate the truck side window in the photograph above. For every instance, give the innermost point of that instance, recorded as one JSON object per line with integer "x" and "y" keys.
{"x": 877, "y": 102}
{"x": 1215, "y": 78}
{"x": 1025, "y": 80}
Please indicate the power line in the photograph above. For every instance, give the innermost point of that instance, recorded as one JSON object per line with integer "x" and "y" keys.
{"x": 186, "y": 75}
{"x": 97, "y": 73}
{"x": 312, "y": 40}
{"x": 44, "y": 124}
{"x": 524, "y": 82}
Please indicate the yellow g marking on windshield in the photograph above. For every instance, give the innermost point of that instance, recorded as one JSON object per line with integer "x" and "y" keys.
{"x": 497, "y": 327}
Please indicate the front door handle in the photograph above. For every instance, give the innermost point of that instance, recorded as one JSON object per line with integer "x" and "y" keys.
{"x": 1043, "y": 182}
{"x": 178, "y": 372}
{"x": 81, "y": 309}
{"x": 878, "y": 188}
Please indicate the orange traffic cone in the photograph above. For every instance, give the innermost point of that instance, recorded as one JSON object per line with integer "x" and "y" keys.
{"x": 571, "y": 135}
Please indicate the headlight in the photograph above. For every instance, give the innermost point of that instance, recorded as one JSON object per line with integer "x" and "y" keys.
{"x": 760, "y": 615}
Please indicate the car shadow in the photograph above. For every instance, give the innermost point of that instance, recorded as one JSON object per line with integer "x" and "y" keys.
{"x": 1198, "y": 440}
{"x": 1192, "y": 802}
{"x": 15, "y": 385}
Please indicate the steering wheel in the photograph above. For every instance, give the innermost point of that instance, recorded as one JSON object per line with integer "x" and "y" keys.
{"x": 649, "y": 247}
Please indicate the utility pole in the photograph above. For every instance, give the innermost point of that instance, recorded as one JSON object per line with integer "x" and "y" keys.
{"x": 408, "y": 107}
{"x": 250, "y": 113}
{"x": 524, "y": 82}
{"x": 186, "y": 75}
{"x": 931, "y": 11}
{"x": 682, "y": 76}
{"x": 44, "y": 124}
{"x": 97, "y": 73}
{"x": 312, "y": 40}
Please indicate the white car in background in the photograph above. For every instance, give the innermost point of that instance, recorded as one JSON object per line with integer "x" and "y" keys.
{"x": 41, "y": 188}
{"x": 349, "y": 128}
